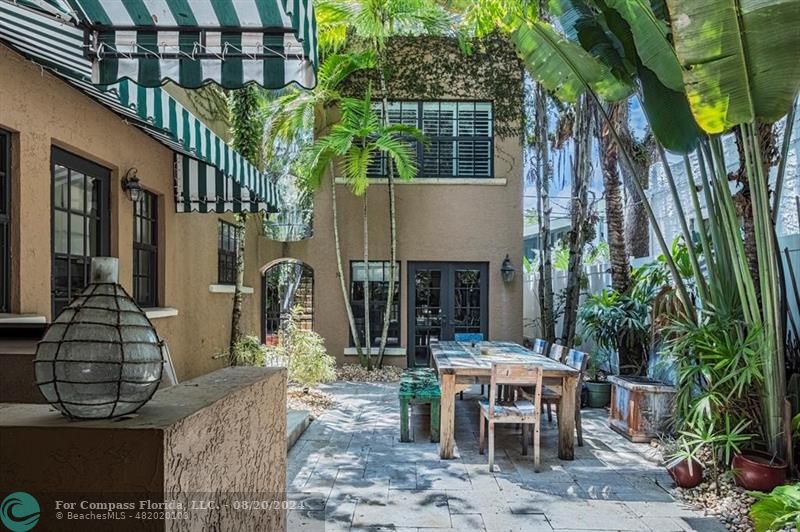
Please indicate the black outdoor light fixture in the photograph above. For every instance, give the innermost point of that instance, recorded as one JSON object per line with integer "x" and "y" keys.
{"x": 507, "y": 270}
{"x": 131, "y": 186}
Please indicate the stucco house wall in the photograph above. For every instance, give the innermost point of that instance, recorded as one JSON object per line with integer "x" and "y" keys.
{"x": 447, "y": 220}
{"x": 42, "y": 111}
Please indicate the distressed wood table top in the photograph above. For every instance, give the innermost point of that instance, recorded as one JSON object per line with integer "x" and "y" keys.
{"x": 465, "y": 359}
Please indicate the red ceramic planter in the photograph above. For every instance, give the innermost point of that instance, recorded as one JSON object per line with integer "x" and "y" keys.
{"x": 683, "y": 477}
{"x": 754, "y": 470}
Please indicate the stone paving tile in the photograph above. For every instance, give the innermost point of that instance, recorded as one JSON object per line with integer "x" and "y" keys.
{"x": 409, "y": 508}
{"x": 704, "y": 524}
{"x": 351, "y": 472}
{"x": 471, "y": 522}
{"x": 592, "y": 515}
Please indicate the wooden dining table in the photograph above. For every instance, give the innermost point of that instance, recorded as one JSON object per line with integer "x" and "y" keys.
{"x": 461, "y": 365}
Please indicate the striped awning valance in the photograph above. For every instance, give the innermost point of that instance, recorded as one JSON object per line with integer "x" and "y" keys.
{"x": 193, "y": 42}
{"x": 200, "y": 187}
{"x": 57, "y": 46}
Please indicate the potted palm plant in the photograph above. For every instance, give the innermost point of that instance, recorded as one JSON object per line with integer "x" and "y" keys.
{"x": 597, "y": 385}
{"x": 682, "y": 465}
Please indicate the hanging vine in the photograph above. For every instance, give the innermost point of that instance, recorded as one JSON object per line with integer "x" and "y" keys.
{"x": 435, "y": 68}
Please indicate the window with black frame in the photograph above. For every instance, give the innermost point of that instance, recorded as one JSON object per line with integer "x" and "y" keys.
{"x": 379, "y": 272}
{"x": 5, "y": 219}
{"x": 459, "y": 138}
{"x": 81, "y": 222}
{"x": 227, "y": 249}
{"x": 145, "y": 250}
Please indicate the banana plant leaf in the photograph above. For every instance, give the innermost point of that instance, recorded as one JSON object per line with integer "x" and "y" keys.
{"x": 667, "y": 110}
{"x": 650, "y": 37}
{"x": 583, "y": 24}
{"x": 739, "y": 57}
{"x": 562, "y": 66}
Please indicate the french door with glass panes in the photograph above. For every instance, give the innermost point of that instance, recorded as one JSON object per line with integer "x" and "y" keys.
{"x": 80, "y": 222}
{"x": 445, "y": 298}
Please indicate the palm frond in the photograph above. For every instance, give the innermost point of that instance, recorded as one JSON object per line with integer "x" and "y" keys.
{"x": 401, "y": 154}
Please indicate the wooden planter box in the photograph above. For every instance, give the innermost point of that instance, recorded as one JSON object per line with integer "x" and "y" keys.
{"x": 640, "y": 407}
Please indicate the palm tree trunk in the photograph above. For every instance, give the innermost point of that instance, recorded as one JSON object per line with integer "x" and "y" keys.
{"x": 615, "y": 220}
{"x": 387, "y": 315}
{"x": 615, "y": 217}
{"x": 340, "y": 272}
{"x": 236, "y": 312}
{"x": 367, "y": 332}
{"x": 546, "y": 304}
{"x": 579, "y": 214}
{"x": 637, "y": 222}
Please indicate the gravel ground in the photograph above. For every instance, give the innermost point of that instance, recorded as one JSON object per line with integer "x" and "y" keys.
{"x": 356, "y": 373}
{"x": 731, "y": 505}
{"x": 313, "y": 400}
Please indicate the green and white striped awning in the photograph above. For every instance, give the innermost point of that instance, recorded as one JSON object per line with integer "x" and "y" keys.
{"x": 57, "y": 45}
{"x": 194, "y": 42}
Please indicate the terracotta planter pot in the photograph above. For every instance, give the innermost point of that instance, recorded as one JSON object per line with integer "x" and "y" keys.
{"x": 754, "y": 470}
{"x": 683, "y": 477}
{"x": 599, "y": 394}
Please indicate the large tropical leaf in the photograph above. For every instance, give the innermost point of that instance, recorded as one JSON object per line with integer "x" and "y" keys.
{"x": 562, "y": 66}
{"x": 650, "y": 36}
{"x": 667, "y": 110}
{"x": 740, "y": 58}
{"x": 582, "y": 23}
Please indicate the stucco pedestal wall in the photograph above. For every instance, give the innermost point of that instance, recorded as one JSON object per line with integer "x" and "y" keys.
{"x": 215, "y": 443}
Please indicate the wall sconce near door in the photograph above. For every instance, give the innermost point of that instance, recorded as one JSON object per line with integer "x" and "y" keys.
{"x": 507, "y": 270}
{"x": 131, "y": 186}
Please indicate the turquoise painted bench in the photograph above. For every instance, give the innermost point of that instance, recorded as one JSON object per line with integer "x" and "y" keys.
{"x": 419, "y": 386}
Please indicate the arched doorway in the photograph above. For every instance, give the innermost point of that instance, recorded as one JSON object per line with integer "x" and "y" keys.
{"x": 287, "y": 283}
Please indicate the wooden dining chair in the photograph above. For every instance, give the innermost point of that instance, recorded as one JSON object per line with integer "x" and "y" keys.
{"x": 468, "y": 338}
{"x": 540, "y": 346}
{"x": 558, "y": 352}
{"x": 523, "y": 411}
{"x": 551, "y": 395}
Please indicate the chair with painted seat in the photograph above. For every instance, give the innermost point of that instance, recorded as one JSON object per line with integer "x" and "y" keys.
{"x": 468, "y": 338}
{"x": 526, "y": 412}
{"x": 419, "y": 386}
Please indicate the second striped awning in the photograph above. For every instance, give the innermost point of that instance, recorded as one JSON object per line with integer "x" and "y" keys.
{"x": 193, "y": 42}
{"x": 201, "y": 187}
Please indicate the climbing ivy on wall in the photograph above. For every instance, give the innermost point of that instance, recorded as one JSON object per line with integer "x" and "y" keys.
{"x": 435, "y": 68}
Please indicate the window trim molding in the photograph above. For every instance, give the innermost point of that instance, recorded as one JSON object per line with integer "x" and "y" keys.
{"x": 399, "y": 299}
{"x": 216, "y": 288}
{"x": 156, "y": 313}
{"x": 389, "y": 351}
{"x": 428, "y": 181}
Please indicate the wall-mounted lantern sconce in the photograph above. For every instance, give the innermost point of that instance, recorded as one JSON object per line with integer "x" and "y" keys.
{"x": 507, "y": 270}
{"x": 131, "y": 186}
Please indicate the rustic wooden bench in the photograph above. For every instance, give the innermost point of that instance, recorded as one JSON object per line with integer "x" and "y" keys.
{"x": 419, "y": 386}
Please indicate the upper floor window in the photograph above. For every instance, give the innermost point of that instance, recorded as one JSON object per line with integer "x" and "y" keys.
{"x": 459, "y": 138}
{"x": 227, "y": 249}
{"x": 145, "y": 250}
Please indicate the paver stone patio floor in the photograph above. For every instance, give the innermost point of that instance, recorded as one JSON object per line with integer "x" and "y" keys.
{"x": 349, "y": 471}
